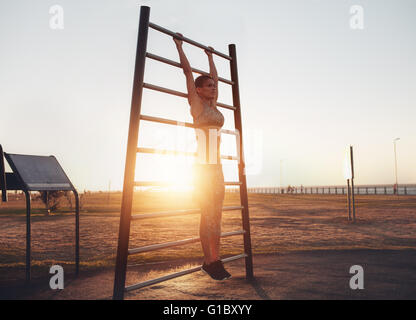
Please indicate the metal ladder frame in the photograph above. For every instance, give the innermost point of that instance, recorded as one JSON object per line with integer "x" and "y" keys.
{"x": 123, "y": 250}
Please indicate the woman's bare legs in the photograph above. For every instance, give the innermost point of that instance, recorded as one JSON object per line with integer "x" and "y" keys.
{"x": 211, "y": 202}
{"x": 217, "y": 235}
{"x": 205, "y": 235}
{"x": 210, "y": 231}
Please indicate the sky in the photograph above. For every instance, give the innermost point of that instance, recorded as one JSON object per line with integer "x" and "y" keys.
{"x": 312, "y": 80}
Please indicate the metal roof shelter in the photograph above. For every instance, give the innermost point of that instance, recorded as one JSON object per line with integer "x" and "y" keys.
{"x": 36, "y": 173}
{"x": 123, "y": 250}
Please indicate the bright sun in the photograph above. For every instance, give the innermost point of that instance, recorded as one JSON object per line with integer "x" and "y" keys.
{"x": 178, "y": 174}
{"x": 175, "y": 172}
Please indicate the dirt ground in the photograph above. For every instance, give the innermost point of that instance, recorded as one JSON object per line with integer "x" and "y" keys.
{"x": 303, "y": 247}
{"x": 388, "y": 274}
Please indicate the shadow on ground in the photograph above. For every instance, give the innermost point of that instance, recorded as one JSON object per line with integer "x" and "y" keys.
{"x": 323, "y": 274}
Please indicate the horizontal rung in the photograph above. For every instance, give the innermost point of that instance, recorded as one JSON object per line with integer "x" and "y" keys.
{"x": 167, "y": 121}
{"x": 164, "y": 214}
{"x": 178, "y": 123}
{"x": 229, "y": 131}
{"x": 153, "y": 183}
{"x": 161, "y": 151}
{"x": 175, "y": 152}
{"x": 233, "y": 183}
{"x": 168, "y": 183}
{"x": 226, "y": 106}
{"x": 178, "y": 243}
{"x": 180, "y": 94}
{"x": 176, "y": 64}
{"x": 165, "y": 90}
{"x": 229, "y": 157}
{"x": 178, "y": 274}
{"x": 173, "y": 34}
{"x": 177, "y": 213}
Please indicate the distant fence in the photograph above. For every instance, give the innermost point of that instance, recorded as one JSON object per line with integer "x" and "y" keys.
{"x": 404, "y": 189}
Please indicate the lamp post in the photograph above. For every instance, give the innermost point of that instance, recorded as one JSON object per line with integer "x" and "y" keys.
{"x": 281, "y": 173}
{"x": 395, "y": 164}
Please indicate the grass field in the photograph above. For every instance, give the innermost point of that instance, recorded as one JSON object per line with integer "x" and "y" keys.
{"x": 279, "y": 223}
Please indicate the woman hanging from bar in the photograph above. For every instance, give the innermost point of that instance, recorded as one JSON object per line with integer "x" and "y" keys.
{"x": 208, "y": 176}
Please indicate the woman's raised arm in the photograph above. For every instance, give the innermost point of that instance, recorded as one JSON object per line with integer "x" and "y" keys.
{"x": 187, "y": 70}
{"x": 212, "y": 70}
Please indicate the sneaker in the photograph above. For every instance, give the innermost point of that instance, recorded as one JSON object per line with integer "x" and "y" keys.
{"x": 220, "y": 266}
{"x": 215, "y": 270}
{"x": 209, "y": 270}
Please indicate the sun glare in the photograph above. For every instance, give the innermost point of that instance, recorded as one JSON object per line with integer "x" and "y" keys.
{"x": 175, "y": 172}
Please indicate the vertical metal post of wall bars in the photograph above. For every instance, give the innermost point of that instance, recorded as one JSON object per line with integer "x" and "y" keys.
{"x": 130, "y": 166}
{"x": 241, "y": 164}
{"x": 135, "y": 116}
